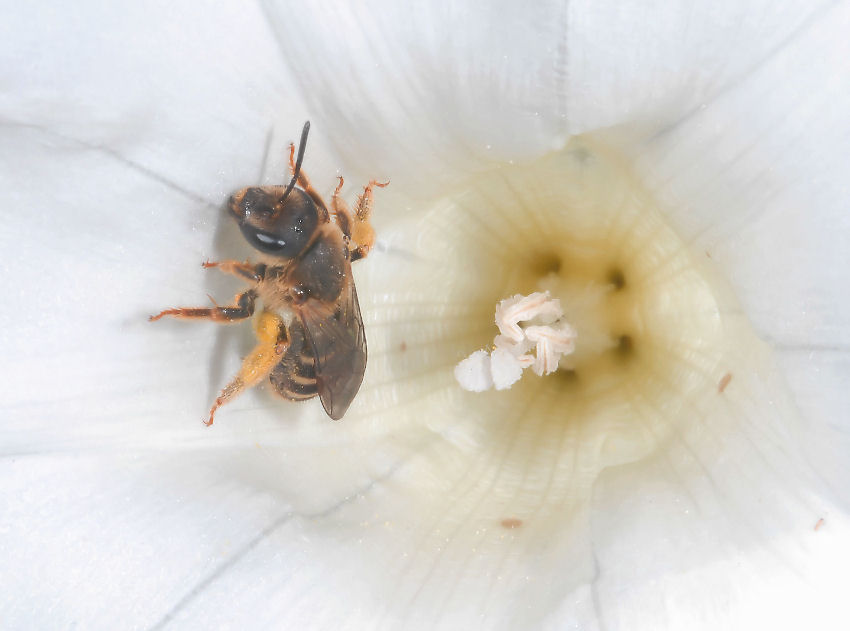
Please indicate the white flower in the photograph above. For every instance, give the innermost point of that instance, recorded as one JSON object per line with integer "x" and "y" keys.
{"x": 642, "y": 503}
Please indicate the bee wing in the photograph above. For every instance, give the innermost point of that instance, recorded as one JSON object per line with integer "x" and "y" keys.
{"x": 339, "y": 342}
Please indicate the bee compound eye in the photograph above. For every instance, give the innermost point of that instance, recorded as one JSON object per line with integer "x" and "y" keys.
{"x": 262, "y": 240}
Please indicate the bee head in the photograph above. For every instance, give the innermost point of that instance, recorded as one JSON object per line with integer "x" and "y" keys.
{"x": 277, "y": 220}
{"x": 273, "y": 221}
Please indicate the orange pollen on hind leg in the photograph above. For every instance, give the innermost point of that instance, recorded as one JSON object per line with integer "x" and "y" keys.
{"x": 258, "y": 363}
{"x": 268, "y": 327}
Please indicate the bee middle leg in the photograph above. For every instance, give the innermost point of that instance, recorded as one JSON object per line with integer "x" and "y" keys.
{"x": 245, "y": 270}
{"x": 244, "y": 308}
{"x": 272, "y": 342}
{"x": 356, "y": 226}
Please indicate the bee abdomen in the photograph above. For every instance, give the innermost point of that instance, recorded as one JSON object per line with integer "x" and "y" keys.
{"x": 296, "y": 387}
{"x": 294, "y": 377}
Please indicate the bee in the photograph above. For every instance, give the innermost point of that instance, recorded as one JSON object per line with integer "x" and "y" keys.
{"x": 310, "y": 337}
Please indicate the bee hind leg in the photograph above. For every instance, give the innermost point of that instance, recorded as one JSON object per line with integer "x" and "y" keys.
{"x": 272, "y": 343}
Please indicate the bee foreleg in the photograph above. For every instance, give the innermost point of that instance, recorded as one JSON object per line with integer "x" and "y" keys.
{"x": 244, "y": 308}
{"x": 363, "y": 233}
{"x": 341, "y": 211}
{"x": 304, "y": 182}
{"x": 271, "y": 345}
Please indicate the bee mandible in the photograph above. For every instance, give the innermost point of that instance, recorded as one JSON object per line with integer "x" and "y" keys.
{"x": 310, "y": 337}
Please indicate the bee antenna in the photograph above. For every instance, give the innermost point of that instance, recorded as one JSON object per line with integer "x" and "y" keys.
{"x": 301, "y": 147}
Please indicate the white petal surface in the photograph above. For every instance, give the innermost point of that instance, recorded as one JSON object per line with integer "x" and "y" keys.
{"x": 757, "y": 178}
{"x": 429, "y": 92}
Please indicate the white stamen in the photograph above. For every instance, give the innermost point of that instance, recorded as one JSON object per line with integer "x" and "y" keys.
{"x": 511, "y": 311}
{"x": 505, "y": 368}
{"x": 473, "y": 373}
{"x": 551, "y": 342}
{"x": 550, "y": 338}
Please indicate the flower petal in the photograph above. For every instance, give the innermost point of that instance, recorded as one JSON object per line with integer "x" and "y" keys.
{"x": 418, "y": 93}
{"x": 757, "y": 180}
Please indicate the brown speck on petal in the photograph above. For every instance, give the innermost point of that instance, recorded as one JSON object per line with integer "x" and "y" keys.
{"x": 511, "y": 522}
{"x": 724, "y": 381}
